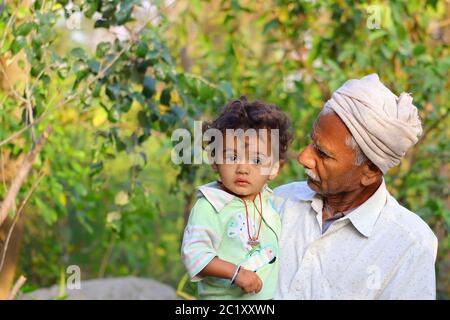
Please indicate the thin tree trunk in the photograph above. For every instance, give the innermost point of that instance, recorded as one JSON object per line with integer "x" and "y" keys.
{"x": 12, "y": 254}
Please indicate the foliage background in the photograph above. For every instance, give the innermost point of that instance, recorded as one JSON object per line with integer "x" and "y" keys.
{"x": 111, "y": 201}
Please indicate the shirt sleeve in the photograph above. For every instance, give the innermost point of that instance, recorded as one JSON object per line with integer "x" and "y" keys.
{"x": 278, "y": 202}
{"x": 201, "y": 238}
{"x": 415, "y": 278}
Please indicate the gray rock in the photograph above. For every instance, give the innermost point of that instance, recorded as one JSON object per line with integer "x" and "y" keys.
{"x": 127, "y": 288}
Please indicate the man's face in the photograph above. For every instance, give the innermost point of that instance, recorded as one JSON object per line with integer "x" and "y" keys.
{"x": 247, "y": 164}
{"x": 328, "y": 161}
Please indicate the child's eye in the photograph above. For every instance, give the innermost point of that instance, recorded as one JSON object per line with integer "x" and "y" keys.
{"x": 231, "y": 158}
{"x": 261, "y": 160}
{"x": 257, "y": 160}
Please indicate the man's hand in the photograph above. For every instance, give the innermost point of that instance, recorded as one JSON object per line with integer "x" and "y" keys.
{"x": 248, "y": 281}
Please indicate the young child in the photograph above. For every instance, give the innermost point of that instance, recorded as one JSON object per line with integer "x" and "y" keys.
{"x": 230, "y": 243}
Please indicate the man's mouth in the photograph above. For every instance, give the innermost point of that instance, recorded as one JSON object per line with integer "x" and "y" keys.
{"x": 311, "y": 175}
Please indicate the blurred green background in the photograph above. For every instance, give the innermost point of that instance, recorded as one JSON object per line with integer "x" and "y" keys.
{"x": 115, "y": 78}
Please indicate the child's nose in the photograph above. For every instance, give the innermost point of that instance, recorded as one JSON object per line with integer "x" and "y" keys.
{"x": 242, "y": 169}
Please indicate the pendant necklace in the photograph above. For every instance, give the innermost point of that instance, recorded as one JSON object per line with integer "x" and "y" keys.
{"x": 253, "y": 241}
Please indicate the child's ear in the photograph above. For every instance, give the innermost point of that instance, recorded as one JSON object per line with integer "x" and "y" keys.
{"x": 275, "y": 169}
{"x": 212, "y": 161}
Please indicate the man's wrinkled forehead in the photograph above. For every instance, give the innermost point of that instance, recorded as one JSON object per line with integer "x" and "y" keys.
{"x": 329, "y": 131}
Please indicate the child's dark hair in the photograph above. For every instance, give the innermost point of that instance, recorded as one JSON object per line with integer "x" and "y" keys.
{"x": 242, "y": 114}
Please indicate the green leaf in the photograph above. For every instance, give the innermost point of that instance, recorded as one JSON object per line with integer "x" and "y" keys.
{"x": 148, "y": 87}
{"x": 45, "y": 80}
{"x": 166, "y": 56}
{"x": 124, "y": 14}
{"x": 91, "y": 7}
{"x": 180, "y": 113}
{"x": 419, "y": 49}
{"x": 102, "y": 23}
{"x": 48, "y": 214}
{"x": 78, "y": 53}
{"x": 93, "y": 65}
{"x": 139, "y": 97}
{"x": 37, "y": 4}
{"x": 24, "y": 29}
{"x": 144, "y": 157}
{"x": 102, "y": 49}
{"x": 228, "y": 19}
{"x": 270, "y": 25}
{"x": 113, "y": 114}
{"x": 165, "y": 97}
{"x": 36, "y": 42}
{"x": 376, "y": 34}
{"x": 21, "y": 64}
{"x": 97, "y": 89}
{"x": 142, "y": 138}
{"x": 143, "y": 119}
{"x": 18, "y": 44}
{"x": 135, "y": 170}
{"x": 125, "y": 104}
{"x": 36, "y": 69}
{"x": 80, "y": 75}
{"x": 141, "y": 49}
{"x": 95, "y": 168}
{"x": 120, "y": 145}
{"x": 113, "y": 90}
{"x": 46, "y": 34}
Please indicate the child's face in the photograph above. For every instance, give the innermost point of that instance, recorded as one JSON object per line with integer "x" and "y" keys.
{"x": 247, "y": 165}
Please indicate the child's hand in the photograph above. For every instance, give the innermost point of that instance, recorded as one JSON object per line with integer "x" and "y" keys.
{"x": 248, "y": 281}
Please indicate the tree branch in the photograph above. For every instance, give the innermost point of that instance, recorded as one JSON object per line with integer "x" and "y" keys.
{"x": 16, "y": 218}
{"x": 19, "y": 283}
{"x": 22, "y": 174}
{"x": 66, "y": 100}
{"x": 413, "y": 155}
{"x": 72, "y": 97}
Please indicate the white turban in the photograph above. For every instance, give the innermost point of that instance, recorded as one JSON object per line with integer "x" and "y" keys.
{"x": 384, "y": 126}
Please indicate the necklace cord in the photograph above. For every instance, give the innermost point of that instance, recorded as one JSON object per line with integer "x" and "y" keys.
{"x": 260, "y": 220}
{"x": 268, "y": 225}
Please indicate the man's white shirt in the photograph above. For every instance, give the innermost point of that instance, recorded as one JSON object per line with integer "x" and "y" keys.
{"x": 380, "y": 250}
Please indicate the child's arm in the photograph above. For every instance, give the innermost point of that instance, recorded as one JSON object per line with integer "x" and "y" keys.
{"x": 201, "y": 239}
{"x": 247, "y": 280}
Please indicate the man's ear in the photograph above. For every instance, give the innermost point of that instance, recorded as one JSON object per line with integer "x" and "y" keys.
{"x": 370, "y": 174}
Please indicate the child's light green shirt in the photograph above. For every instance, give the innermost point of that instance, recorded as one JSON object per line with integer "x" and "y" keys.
{"x": 217, "y": 226}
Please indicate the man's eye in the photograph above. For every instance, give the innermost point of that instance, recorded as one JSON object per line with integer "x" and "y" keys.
{"x": 321, "y": 154}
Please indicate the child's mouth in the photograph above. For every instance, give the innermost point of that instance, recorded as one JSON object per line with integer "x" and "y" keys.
{"x": 241, "y": 182}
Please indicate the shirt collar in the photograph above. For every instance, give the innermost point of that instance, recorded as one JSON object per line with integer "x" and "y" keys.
{"x": 366, "y": 215}
{"x": 363, "y": 217}
{"x": 219, "y": 198}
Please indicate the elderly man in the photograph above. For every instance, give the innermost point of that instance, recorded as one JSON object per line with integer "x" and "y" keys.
{"x": 343, "y": 235}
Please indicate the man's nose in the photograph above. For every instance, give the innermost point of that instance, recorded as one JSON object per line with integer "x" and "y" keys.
{"x": 306, "y": 158}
